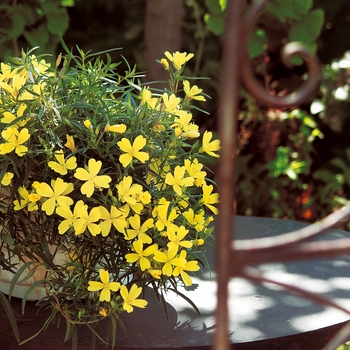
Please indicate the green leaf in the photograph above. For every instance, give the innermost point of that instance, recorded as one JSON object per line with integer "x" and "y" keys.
{"x": 18, "y": 275}
{"x": 8, "y": 239}
{"x": 215, "y": 7}
{"x": 49, "y": 7}
{"x": 10, "y": 315}
{"x": 309, "y": 28}
{"x": 67, "y": 3}
{"x": 17, "y": 27}
{"x": 223, "y": 4}
{"x": 45, "y": 325}
{"x": 38, "y": 37}
{"x": 215, "y": 23}
{"x": 293, "y": 9}
{"x": 257, "y": 43}
{"x": 58, "y": 22}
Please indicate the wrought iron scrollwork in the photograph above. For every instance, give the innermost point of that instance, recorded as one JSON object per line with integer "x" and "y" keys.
{"x": 293, "y": 99}
{"x": 237, "y": 258}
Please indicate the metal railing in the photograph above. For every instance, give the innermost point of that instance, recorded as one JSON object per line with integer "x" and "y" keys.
{"x": 236, "y": 258}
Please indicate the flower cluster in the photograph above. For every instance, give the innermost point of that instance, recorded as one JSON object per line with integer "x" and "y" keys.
{"x": 108, "y": 172}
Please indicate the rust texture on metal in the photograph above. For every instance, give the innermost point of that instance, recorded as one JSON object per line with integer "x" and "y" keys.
{"x": 235, "y": 258}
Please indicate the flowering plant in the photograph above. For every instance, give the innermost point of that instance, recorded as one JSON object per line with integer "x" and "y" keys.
{"x": 107, "y": 174}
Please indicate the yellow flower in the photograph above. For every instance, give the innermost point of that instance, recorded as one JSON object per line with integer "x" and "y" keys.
{"x": 171, "y": 102}
{"x": 210, "y": 198}
{"x": 178, "y": 180}
{"x": 139, "y": 230}
{"x": 176, "y": 237}
{"x": 105, "y": 286}
{"x": 188, "y": 266}
{"x": 86, "y": 220}
{"x": 169, "y": 259}
{"x": 197, "y": 220}
{"x": 182, "y": 125}
{"x": 114, "y": 216}
{"x": 10, "y": 118}
{"x": 146, "y": 98}
{"x": 7, "y": 73}
{"x": 14, "y": 86}
{"x": 69, "y": 216}
{"x": 141, "y": 255}
{"x": 119, "y": 128}
{"x": 14, "y": 141}
{"x": 209, "y": 146}
{"x": 92, "y": 179}
{"x": 26, "y": 200}
{"x": 32, "y": 95}
{"x": 165, "y": 217}
{"x": 194, "y": 169}
{"x": 6, "y": 180}
{"x": 132, "y": 151}
{"x": 155, "y": 273}
{"x": 62, "y": 166}
{"x": 70, "y": 143}
{"x": 56, "y": 194}
{"x": 127, "y": 191}
{"x": 130, "y": 298}
{"x": 40, "y": 67}
{"x": 192, "y": 93}
{"x": 178, "y": 59}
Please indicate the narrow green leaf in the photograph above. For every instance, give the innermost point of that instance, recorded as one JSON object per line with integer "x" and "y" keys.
{"x": 45, "y": 325}
{"x": 113, "y": 331}
{"x": 18, "y": 275}
{"x": 10, "y": 315}
{"x": 30, "y": 289}
{"x": 69, "y": 330}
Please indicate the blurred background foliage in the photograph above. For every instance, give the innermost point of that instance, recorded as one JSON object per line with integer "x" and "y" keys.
{"x": 290, "y": 164}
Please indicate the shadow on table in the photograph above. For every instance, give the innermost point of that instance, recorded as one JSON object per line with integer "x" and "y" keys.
{"x": 147, "y": 328}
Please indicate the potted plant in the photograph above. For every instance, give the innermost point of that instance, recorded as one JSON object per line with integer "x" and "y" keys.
{"x": 103, "y": 187}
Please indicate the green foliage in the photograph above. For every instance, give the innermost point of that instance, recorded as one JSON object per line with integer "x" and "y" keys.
{"x": 289, "y": 9}
{"x": 31, "y": 23}
{"x": 274, "y": 163}
{"x": 296, "y": 164}
{"x": 215, "y": 17}
{"x": 299, "y": 20}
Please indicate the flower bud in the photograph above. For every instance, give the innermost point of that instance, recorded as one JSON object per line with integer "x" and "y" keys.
{"x": 164, "y": 63}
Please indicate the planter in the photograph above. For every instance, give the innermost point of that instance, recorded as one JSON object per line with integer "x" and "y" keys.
{"x": 24, "y": 284}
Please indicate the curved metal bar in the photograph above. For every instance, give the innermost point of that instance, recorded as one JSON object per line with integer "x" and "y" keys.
{"x": 293, "y": 99}
{"x": 303, "y": 234}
